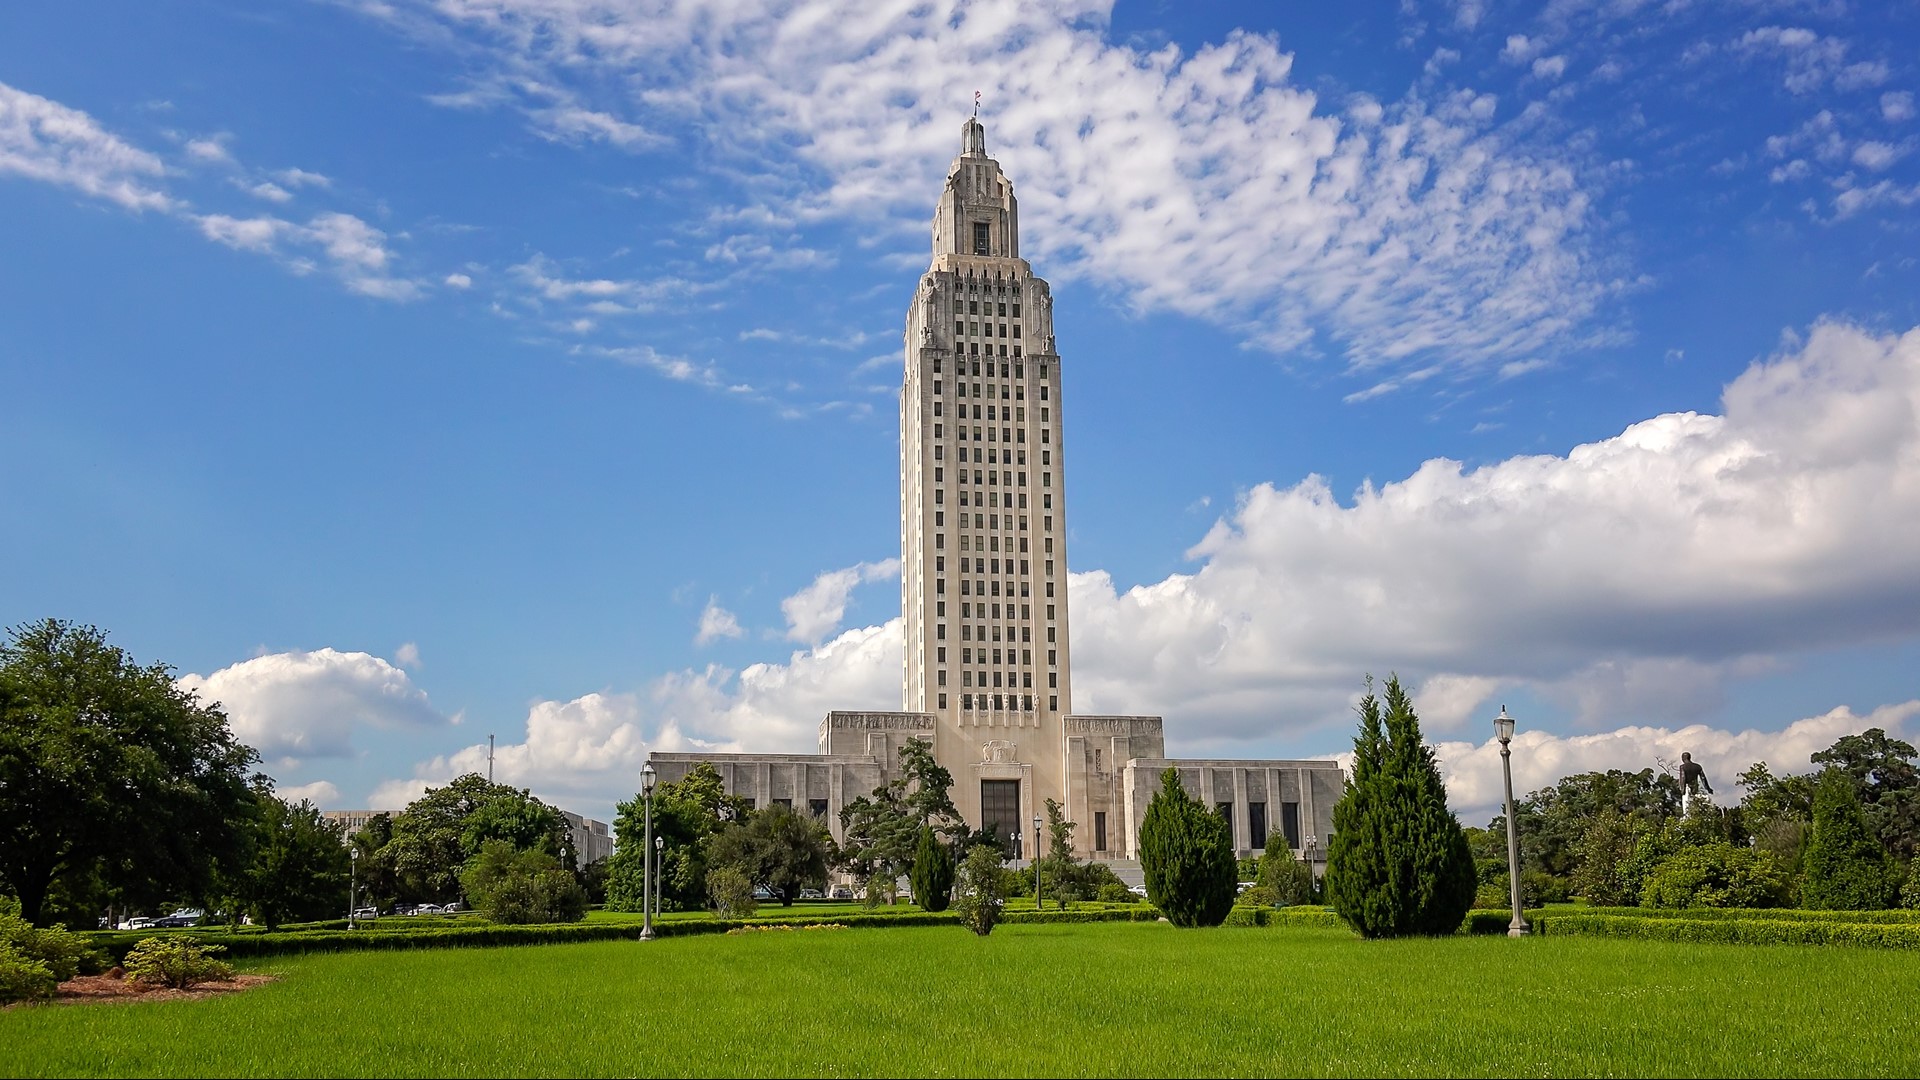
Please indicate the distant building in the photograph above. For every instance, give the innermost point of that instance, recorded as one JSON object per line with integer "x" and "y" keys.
{"x": 352, "y": 821}
{"x": 983, "y": 584}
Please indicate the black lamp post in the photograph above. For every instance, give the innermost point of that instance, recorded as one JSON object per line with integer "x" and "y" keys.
{"x": 646, "y": 853}
{"x": 353, "y": 883}
{"x": 1503, "y": 730}
{"x": 1036, "y": 862}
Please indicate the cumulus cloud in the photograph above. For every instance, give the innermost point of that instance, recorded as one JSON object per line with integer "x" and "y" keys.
{"x": 1634, "y": 573}
{"x": 1896, "y": 105}
{"x": 1418, "y": 227}
{"x": 1475, "y": 785}
{"x": 586, "y": 754}
{"x": 356, "y": 251}
{"x": 320, "y": 793}
{"x": 44, "y": 140}
{"x": 294, "y": 706}
{"x": 716, "y": 623}
{"x": 816, "y": 611}
{"x": 407, "y": 655}
{"x": 458, "y": 281}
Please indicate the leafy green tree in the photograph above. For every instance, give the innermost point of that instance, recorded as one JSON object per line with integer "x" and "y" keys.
{"x": 1886, "y": 783}
{"x": 1288, "y": 878}
{"x": 111, "y": 776}
{"x": 1716, "y": 875}
{"x": 299, "y": 865}
{"x": 980, "y": 889}
{"x": 1398, "y": 862}
{"x": 1845, "y": 868}
{"x": 510, "y": 885}
{"x": 376, "y": 880}
{"x": 881, "y": 830}
{"x": 1186, "y": 855}
{"x": 730, "y": 893}
{"x": 776, "y": 847}
{"x": 933, "y": 869}
{"x": 436, "y": 835}
{"x": 685, "y": 814}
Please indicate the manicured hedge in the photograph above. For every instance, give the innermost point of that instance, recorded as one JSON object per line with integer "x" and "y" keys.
{"x": 1896, "y": 916}
{"x": 1496, "y": 921}
{"x": 1740, "y": 931}
{"x": 1313, "y": 916}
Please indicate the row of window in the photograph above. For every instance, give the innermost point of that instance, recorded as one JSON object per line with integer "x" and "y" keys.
{"x": 1019, "y": 390}
{"x": 986, "y": 521}
{"x": 969, "y": 633}
{"x": 994, "y": 457}
{"x": 1016, "y": 413}
{"x": 972, "y": 367}
{"x": 963, "y": 328}
{"x": 973, "y": 307}
{"x": 1005, "y": 434}
{"x": 993, "y": 702}
{"x": 985, "y": 566}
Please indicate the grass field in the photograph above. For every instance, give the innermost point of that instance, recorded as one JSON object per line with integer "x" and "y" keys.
{"x": 1094, "y": 1000}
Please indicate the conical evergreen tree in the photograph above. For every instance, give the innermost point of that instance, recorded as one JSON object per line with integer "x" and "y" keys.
{"x": 1845, "y": 868}
{"x": 1186, "y": 856}
{"x": 932, "y": 874}
{"x": 1398, "y": 862}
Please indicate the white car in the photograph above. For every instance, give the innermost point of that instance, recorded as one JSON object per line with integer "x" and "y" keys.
{"x": 1138, "y": 890}
{"x": 138, "y": 922}
{"x": 429, "y": 909}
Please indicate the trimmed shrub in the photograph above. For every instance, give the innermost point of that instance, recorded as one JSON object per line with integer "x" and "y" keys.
{"x": 1398, "y": 862}
{"x": 1844, "y": 867}
{"x": 1186, "y": 854}
{"x": 1114, "y": 892}
{"x": 1910, "y": 892}
{"x": 1259, "y": 896}
{"x": 932, "y": 874}
{"x": 981, "y": 890}
{"x": 178, "y": 962}
{"x": 1746, "y": 931}
{"x": 510, "y": 886}
{"x": 1288, "y": 877}
{"x": 23, "y": 977}
{"x": 730, "y": 892}
{"x": 1716, "y": 876}
{"x": 64, "y": 954}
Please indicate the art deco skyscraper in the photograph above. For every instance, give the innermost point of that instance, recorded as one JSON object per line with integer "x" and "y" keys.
{"x": 982, "y": 504}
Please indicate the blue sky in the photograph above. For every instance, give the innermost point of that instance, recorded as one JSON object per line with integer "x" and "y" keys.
{"x": 407, "y": 372}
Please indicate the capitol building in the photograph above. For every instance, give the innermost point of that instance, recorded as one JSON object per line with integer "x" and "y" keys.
{"x": 987, "y": 679}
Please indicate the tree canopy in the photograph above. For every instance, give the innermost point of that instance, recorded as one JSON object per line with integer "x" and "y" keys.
{"x": 112, "y": 777}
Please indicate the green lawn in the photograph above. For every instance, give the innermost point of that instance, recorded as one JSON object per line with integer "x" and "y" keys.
{"x": 1088, "y": 999}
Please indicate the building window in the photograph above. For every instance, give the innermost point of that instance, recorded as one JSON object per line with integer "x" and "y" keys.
{"x": 1000, "y": 807}
{"x": 788, "y": 803}
{"x": 1226, "y": 814}
{"x": 1099, "y": 830}
{"x": 979, "y": 238}
{"x": 1290, "y": 823}
{"x": 1257, "y": 825}
{"x": 817, "y": 807}
{"x": 1053, "y": 703}
{"x": 1096, "y": 760}
{"x": 943, "y": 701}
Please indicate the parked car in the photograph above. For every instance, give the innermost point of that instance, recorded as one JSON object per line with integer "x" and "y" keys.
{"x": 842, "y": 892}
{"x": 763, "y": 894}
{"x": 366, "y": 913}
{"x": 812, "y": 894}
{"x": 429, "y": 909}
{"x": 138, "y": 922}
{"x": 171, "y": 922}
{"x": 403, "y": 909}
{"x": 453, "y": 908}
{"x": 1138, "y": 890}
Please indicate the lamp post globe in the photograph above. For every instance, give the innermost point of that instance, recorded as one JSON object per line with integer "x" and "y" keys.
{"x": 647, "y": 776}
{"x": 1503, "y": 730}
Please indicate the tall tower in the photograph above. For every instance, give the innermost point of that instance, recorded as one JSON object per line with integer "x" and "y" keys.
{"x": 982, "y": 506}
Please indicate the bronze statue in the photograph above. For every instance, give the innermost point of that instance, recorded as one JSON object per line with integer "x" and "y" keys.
{"x": 1692, "y": 776}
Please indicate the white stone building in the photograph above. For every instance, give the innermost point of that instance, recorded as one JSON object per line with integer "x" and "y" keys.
{"x": 983, "y": 584}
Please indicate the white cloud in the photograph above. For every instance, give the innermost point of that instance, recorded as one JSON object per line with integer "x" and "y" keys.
{"x": 716, "y": 622}
{"x": 1812, "y": 61}
{"x": 1854, "y": 200}
{"x": 816, "y": 611}
{"x": 407, "y": 656}
{"x": 356, "y": 250}
{"x": 300, "y": 705}
{"x": 302, "y": 178}
{"x": 320, "y": 793}
{"x": 1877, "y": 155}
{"x": 212, "y": 150}
{"x": 1896, "y": 106}
{"x": 1550, "y": 67}
{"x": 270, "y": 191}
{"x": 1520, "y": 48}
{"x": 258, "y": 234}
{"x": 458, "y": 281}
{"x": 1427, "y": 231}
{"x": 1540, "y": 758}
{"x": 47, "y": 141}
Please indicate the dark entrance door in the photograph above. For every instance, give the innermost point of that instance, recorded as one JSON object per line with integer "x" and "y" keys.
{"x": 1000, "y": 809}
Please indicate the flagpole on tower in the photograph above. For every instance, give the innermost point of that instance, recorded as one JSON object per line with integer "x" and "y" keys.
{"x": 976, "y": 104}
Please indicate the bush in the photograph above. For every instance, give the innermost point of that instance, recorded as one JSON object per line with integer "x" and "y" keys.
{"x": 1288, "y": 877}
{"x": 1844, "y": 866}
{"x": 1910, "y": 892}
{"x": 980, "y": 890}
{"x": 1716, "y": 876}
{"x": 178, "y": 962}
{"x": 1259, "y": 896}
{"x": 1115, "y": 893}
{"x": 63, "y": 954}
{"x": 1186, "y": 853}
{"x": 509, "y": 886}
{"x": 1744, "y": 931}
{"x": 1398, "y": 862}
{"x": 932, "y": 874}
{"x": 731, "y": 893}
{"x": 23, "y": 977}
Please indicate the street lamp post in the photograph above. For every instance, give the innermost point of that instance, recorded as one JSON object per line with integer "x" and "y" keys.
{"x": 353, "y": 882}
{"x": 1313, "y": 882}
{"x": 1503, "y": 730}
{"x": 646, "y": 854}
{"x": 1036, "y": 862}
{"x": 659, "y": 860}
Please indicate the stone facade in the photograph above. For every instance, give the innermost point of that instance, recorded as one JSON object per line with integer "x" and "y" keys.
{"x": 983, "y": 583}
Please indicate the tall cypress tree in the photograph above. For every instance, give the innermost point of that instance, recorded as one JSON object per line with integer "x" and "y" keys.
{"x": 1398, "y": 862}
{"x": 1845, "y": 868}
{"x": 932, "y": 874}
{"x": 1186, "y": 856}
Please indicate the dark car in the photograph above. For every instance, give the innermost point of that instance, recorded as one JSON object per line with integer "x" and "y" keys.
{"x": 173, "y": 921}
